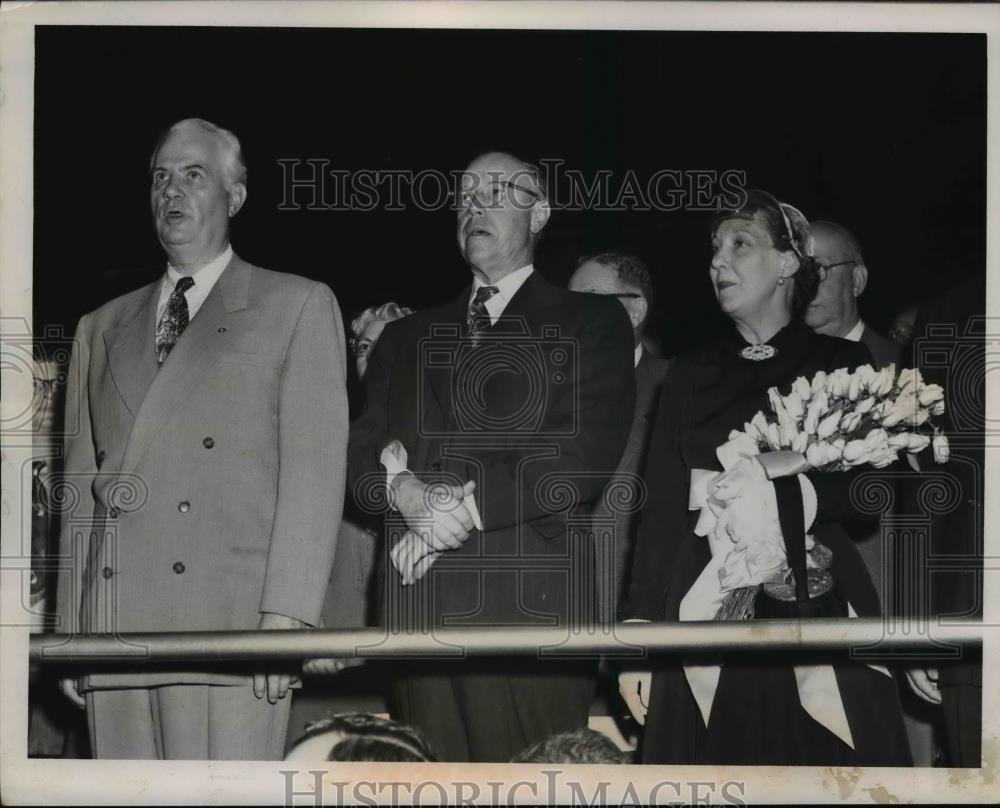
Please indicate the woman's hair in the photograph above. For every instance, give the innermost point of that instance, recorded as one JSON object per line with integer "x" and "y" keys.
{"x": 789, "y": 231}
{"x": 371, "y": 737}
{"x": 387, "y": 311}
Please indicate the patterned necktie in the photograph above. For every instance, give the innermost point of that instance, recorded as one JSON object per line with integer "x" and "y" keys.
{"x": 478, "y": 319}
{"x": 174, "y": 320}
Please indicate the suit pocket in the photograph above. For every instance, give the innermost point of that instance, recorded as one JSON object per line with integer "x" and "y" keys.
{"x": 253, "y": 359}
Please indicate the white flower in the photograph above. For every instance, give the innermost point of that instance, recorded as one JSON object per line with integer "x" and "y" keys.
{"x": 815, "y": 456}
{"x": 850, "y": 421}
{"x": 942, "y": 450}
{"x": 910, "y": 380}
{"x": 774, "y": 397}
{"x": 865, "y": 374}
{"x": 937, "y": 408}
{"x": 818, "y": 407}
{"x": 757, "y": 428}
{"x": 883, "y": 382}
{"x": 854, "y": 387}
{"x": 734, "y": 433}
{"x": 918, "y": 442}
{"x": 819, "y": 382}
{"x": 904, "y": 410}
{"x": 801, "y": 388}
{"x": 794, "y": 406}
{"x": 884, "y": 457}
{"x": 930, "y": 394}
{"x": 800, "y": 443}
{"x": 901, "y": 440}
{"x": 836, "y": 384}
{"x": 855, "y": 452}
{"x": 828, "y": 425}
{"x": 787, "y": 434}
{"x": 773, "y": 436}
{"x": 864, "y": 405}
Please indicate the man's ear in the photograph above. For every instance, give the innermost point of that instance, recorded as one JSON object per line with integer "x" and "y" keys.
{"x": 859, "y": 279}
{"x": 637, "y": 311}
{"x": 237, "y": 196}
{"x": 540, "y": 213}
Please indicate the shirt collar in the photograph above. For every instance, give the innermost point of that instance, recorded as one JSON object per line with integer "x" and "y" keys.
{"x": 507, "y": 285}
{"x": 208, "y": 274}
{"x": 638, "y": 354}
{"x": 854, "y": 335}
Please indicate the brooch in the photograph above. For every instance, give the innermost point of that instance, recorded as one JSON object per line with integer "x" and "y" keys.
{"x": 758, "y": 353}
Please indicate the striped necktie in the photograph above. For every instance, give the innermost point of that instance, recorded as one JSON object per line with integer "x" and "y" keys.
{"x": 478, "y": 319}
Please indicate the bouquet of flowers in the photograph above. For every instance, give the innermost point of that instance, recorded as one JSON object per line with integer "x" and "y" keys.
{"x": 832, "y": 423}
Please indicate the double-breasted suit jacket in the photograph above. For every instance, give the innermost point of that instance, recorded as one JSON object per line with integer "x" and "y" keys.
{"x": 208, "y": 489}
{"x": 537, "y": 415}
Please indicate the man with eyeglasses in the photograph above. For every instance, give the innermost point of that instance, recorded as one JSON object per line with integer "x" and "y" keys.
{"x": 843, "y": 278}
{"x": 625, "y": 277}
{"x": 834, "y": 311}
{"x": 489, "y": 418}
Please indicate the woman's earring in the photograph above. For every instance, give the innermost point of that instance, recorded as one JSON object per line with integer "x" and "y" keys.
{"x": 781, "y": 280}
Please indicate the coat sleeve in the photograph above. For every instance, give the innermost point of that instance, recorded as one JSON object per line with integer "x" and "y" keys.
{"x": 72, "y": 492}
{"x": 516, "y": 488}
{"x": 370, "y": 431}
{"x": 664, "y": 517}
{"x": 312, "y": 444}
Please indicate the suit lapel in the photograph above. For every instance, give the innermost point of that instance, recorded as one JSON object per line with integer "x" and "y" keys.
{"x": 441, "y": 375}
{"x": 212, "y": 330}
{"x": 132, "y": 350}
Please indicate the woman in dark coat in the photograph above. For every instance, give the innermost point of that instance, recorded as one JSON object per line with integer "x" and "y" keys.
{"x": 764, "y": 276}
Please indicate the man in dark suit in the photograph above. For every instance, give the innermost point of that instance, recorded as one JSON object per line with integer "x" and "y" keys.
{"x": 834, "y": 311}
{"x": 208, "y": 453}
{"x": 490, "y": 418}
{"x": 949, "y": 347}
{"x": 844, "y": 276}
{"x": 625, "y": 277}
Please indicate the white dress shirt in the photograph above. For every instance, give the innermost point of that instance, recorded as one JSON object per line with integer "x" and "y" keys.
{"x": 204, "y": 279}
{"x": 854, "y": 335}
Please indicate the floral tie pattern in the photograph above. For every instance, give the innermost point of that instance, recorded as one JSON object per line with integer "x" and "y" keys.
{"x": 174, "y": 321}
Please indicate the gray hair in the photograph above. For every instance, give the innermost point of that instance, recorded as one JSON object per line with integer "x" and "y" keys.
{"x": 232, "y": 152}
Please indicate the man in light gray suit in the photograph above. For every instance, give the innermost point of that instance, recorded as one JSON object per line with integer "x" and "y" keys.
{"x": 209, "y": 465}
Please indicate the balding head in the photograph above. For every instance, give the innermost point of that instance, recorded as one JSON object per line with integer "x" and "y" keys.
{"x": 502, "y": 211}
{"x": 834, "y": 310}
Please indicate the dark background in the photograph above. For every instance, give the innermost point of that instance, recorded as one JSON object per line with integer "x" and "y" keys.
{"x": 885, "y": 133}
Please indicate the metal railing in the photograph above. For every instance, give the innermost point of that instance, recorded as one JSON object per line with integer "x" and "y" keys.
{"x": 870, "y": 639}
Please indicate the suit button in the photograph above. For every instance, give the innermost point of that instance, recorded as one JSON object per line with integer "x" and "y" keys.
{"x": 184, "y": 506}
{"x": 208, "y": 443}
{"x": 107, "y": 572}
{"x": 113, "y": 512}
{"x": 178, "y": 567}
{"x": 436, "y": 466}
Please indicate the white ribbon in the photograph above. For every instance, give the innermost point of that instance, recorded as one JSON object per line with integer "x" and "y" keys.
{"x": 817, "y": 684}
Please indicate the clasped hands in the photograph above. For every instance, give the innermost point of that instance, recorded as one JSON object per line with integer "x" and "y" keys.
{"x": 438, "y": 516}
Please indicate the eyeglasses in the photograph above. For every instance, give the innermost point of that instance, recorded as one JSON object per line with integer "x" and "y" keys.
{"x": 824, "y": 269}
{"x": 490, "y": 195}
{"x": 360, "y": 346}
{"x": 627, "y": 295}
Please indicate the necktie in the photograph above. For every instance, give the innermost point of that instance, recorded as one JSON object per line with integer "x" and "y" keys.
{"x": 478, "y": 319}
{"x": 174, "y": 320}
